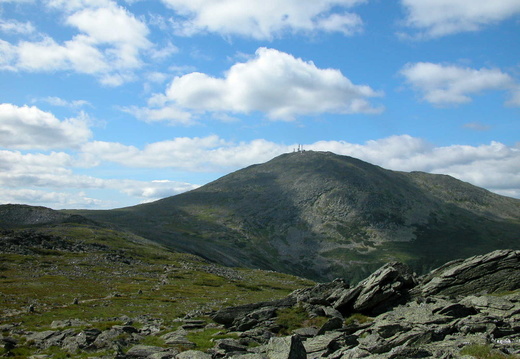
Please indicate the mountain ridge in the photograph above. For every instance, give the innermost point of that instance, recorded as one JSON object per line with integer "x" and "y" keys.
{"x": 321, "y": 215}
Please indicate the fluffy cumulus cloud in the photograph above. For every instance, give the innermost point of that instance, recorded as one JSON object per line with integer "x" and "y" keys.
{"x": 57, "y": 200}
{"x": 264, "y": 19}
{"x": 198, "y": 154}
{"x": 153, "y": 190}
{"x": 435, "y": 18}
{"x": 97, "y": 49}
{"x": 31, "y": 128}
{"x": 272, "y": 82}
{"x": 50, "y": 179}
{"x": 494, "y": 166}
{"x": 16, "y": 27}
{"x": 441, "y": 84}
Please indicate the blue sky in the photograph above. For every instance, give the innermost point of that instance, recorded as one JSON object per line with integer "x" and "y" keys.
{"x": 107, "y": 103}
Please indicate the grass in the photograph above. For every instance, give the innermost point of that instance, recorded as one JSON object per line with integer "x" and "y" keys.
{"x": 485, "y": 352}
{"x": 296, "y": 317}
{"x": 204, "y": 339}
{"x": 122, "y": 276}
{"x": 358, "y": 318}
{"x": 158, "y": 283}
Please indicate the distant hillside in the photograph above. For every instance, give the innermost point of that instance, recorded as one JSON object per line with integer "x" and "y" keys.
{"x": 75, "y": 272}
{"x": 21, "y": 215}
{"x": 322, "y": 216}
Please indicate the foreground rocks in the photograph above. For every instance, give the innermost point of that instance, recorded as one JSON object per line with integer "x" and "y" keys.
{"x": 391, "y": 314}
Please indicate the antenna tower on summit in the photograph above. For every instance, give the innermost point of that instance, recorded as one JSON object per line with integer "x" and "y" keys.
{"x": 299, "y": 149}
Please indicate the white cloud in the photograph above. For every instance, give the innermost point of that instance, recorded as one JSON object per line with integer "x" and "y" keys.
{"x": 153, "y": 190}
{"x": 476, "y": 126}
{"x": 514, "y": 99}
{"x": 16, "y": 27}
{"x": 273, "y": 82}
{"x": 172, "y": 114}
{"x": 57, "y": 200}
{"x": 449, "y": 84}
{"x": 494, "y": 166}
{"x": 197, "y": 154}
{"x": 58, "y": 101}
{"x": 265, "y": 19}
{"x": 31, "y": 128}
{"x": 436, "y": 18}
{"x": 50, "y": 180}
{"x": 109, "y": 44}
{"x": 74, "y": 5}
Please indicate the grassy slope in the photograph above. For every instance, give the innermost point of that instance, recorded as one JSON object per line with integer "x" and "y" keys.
{"x": 130, "y": 278}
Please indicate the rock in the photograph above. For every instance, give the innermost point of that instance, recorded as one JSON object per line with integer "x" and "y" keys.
{"x": 331, "y": 324}
{"x": 230, "y": 345}
{"x": 229, "y": 315}
{"x": 286, "y": 348}
{"x": 456, "y": 310}
{"x": 190, "y": 324}
{"x": 488, "y": 303}
{"x": 178, "y": 338}
{"x": 38, "y": 337}
{"x": 249, "y": 356}
{"x": 171, "y": 354}
{"x": 193, "y": 354}
{"x": 143, "y": 351}
{"x": 320, "y": 293}
{"x": 8, "y": 344}
{"x": 405, "y": 351}
{"x": 322, "y": 343}
{"x": 384, "y": 289}
{"x": 492, "y": 272}
{"x": 58, "y": 324}
{"x": 306, "y": 332}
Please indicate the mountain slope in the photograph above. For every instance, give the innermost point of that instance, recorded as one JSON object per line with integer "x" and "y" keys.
{"x": 75, "y": 271}
{"x": 322, "y": 215}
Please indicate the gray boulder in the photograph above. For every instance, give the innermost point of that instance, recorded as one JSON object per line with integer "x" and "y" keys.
{"x": 492, "y": 272}
{"x": 286, "y": 348}
{"x": 232, "y": 315}
{"x": 383, "y": 290}
{"x": 146, "y": 351}
{"x": 193, "y": 354}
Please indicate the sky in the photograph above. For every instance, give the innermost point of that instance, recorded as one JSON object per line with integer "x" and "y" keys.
{"x": 112, "y": 103}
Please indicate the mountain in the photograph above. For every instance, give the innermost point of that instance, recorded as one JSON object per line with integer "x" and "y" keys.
{"x": 322, "y": 215}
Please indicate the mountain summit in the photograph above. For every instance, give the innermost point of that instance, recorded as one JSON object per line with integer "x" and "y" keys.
{"x": 322, "y": 215}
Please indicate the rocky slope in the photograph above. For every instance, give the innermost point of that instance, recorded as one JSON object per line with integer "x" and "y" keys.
{"x": 467, "y": 309}
{"x": 322, "y": 216}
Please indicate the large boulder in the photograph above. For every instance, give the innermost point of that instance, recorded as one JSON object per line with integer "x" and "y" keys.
{"x": 493, "y": 272}
{"x": 286, "y": 348}
{"x": 383, "y": 290}
{"x": 233, "y": 315}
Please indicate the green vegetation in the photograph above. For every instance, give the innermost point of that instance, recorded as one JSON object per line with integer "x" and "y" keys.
{"x": 121, "y": 274}
{"x": 296, "y": 317}
{"x": 358, "y": 318}
{"x": 484, "y": 352}
{"x": 205, "y": 339}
